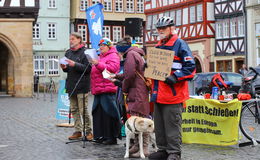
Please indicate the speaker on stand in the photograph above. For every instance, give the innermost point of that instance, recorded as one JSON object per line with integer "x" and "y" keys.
{"x": 134, "y": 27}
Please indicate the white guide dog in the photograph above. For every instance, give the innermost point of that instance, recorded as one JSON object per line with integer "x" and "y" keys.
{"x": 137, "y": 125}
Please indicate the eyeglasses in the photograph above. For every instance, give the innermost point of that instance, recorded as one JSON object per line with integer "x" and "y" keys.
{"x": 159, "y": 28}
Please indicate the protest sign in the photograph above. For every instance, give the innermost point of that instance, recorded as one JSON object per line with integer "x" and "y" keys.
{"x": 159, "y": 63}
{"x": 207, "y": 121}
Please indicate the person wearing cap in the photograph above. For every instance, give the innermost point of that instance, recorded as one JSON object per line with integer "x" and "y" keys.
{"x": 106, "y": 116}
{"x": 169, "y": 95}
{"x": 77, "y": 65}
{"x": 134, "y": 87}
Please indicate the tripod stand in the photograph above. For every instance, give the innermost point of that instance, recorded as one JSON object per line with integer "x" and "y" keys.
{"x": 82, "y": 117}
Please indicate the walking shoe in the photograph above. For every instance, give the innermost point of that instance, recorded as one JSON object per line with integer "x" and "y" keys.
{"x": 75, "y": 135}
{"x": 98, "y": 140}
{"x": 159, "y": 155}
{"x": 89, "y": 136}
{"x": 173, "y": 156}
{"x": 110, "y": 141}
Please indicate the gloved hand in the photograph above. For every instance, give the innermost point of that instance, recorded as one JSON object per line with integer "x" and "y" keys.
{"x": 171, "y": 80}
{"x": 118, "y": 83}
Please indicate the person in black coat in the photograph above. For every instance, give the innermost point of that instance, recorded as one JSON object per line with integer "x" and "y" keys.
{"x": 77, "y": 64}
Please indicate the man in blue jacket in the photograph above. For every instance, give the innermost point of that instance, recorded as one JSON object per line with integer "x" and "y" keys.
{"x": 169, "y": 95}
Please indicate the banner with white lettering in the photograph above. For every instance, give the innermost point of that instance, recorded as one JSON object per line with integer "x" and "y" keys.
{"x": 207, "y": 121}
{"x": 62, "y": 111}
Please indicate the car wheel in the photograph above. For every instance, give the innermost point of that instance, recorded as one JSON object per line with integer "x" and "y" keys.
{"x": 257, "y": 94}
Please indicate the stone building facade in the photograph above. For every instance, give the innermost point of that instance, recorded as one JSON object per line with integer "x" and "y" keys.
{"x": 16, "y": 60}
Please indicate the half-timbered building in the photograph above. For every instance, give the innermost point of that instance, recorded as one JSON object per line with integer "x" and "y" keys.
{"x": 16, "y": 55}
{"x": 194, "y": 20}
{"x": 230, "y": 35}
{"x": 115, "y": 12}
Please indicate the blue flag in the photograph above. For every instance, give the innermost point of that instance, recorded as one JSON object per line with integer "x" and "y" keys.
{"x": 95, "y": 20}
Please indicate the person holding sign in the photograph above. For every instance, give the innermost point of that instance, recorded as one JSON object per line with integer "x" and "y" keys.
{"x": 74, "y": 64}
{"x": 134, "y": 87}
{"x": 106, "y": 117}
{"x": 170, "y": 94}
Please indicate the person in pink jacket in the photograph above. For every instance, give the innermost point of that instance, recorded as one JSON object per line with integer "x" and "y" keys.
{"x": 106, "y": 116}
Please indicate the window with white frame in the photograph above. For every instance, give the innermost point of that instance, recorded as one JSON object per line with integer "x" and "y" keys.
{"x": 192, "y": 14}
{"x": 149, "y": 22}
{"x": 167, "y": 14}
{"x": 219, "y": 30}
{"x": 258, "y": 51}
{"x": 140, "y": 6}
{"x": 39, "y": 65}
{"x": 52, "y": 4}
{"x": 106, "y": 32}
{"x": 225, "y": 29}
{"x": 36, "y": 31}
{"x": 83, "y": 5}
{"x": 178, "y": 17}
{"x": 119, "y": 5}
{"x": 129, "y": 5}
{"x": 95, "y": 2}
{"x": 139, "y": 39}
{"x": 107, "y": 5}
{"x": 233, "y": 28}
{"x": 53, "y": 65}
{"x": 117, "y": 33}
{"x": 82, "y": 29}
{"x": 258, "y": 1}
{"x": 199, "y": 13}
{"x": 155, "y": 18}
{"x": 241, "y": 27}
{"x": 51, "y": 30}
{"x": 172, "y": 15}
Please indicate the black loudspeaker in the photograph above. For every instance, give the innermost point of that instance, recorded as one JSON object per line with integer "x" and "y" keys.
{"x": 133, "y": 27}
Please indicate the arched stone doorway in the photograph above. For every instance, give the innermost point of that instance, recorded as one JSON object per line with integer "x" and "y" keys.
{"x": 6, "y": 71}
{"x": 3, "y": 70}
{"x": 198, "y": 65}
{"x": 17, "y": 58}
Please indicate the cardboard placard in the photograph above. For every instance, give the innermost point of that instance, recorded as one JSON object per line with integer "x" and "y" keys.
{"x": 159, "y": 62}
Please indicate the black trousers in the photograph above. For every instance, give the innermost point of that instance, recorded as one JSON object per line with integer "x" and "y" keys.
{"x": 104, "y": 126}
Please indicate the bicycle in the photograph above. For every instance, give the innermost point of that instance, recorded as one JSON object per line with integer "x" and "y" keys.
{"x": 250, "y": 122}
{"x": 51, "y": 88}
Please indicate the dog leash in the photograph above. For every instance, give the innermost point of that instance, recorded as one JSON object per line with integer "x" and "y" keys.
{"x": 125, "y": 98}
{"x": 126, "y": 105}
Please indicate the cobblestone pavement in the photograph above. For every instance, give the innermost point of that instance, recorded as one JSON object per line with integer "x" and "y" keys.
{"x": 28, "y": 132}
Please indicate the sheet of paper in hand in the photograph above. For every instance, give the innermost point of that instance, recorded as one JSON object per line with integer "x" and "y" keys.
{"x": 91, "y": 54}
{"x": 159, "y": 63}
{"x": 107, "y": 75}
{"x": 63, "y": 60}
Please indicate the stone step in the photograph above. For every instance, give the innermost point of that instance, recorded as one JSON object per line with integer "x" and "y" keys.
{"x": 3, "y": 94}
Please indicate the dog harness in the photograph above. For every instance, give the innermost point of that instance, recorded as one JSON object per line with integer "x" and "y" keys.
{"x": 128, "y": 126}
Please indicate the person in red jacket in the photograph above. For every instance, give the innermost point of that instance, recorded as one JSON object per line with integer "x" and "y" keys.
{"x": 169, "y": 95}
